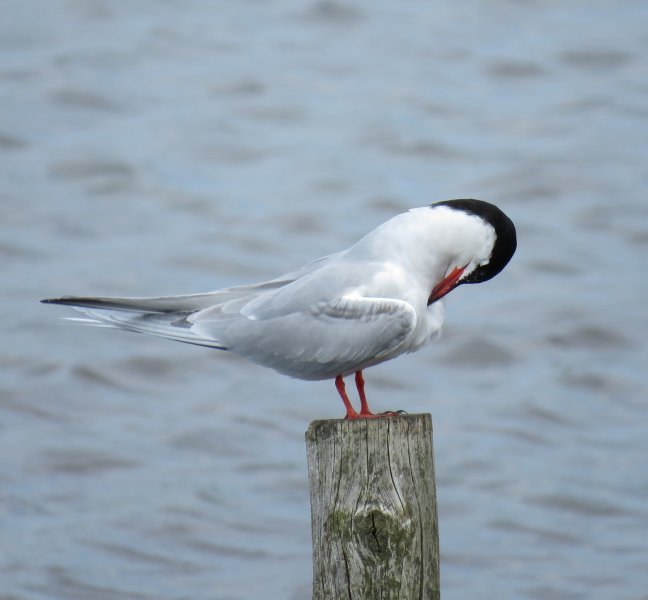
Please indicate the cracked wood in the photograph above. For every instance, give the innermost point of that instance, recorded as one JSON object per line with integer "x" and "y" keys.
{"x": 373, "y": 503}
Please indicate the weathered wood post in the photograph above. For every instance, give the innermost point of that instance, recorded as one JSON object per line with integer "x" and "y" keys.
{"x": 373, "y": 509}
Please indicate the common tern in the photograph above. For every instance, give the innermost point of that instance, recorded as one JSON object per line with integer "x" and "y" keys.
{"x": 339, "y": 314}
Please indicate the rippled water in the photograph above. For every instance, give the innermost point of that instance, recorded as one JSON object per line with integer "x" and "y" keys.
{"x": 162, "y": 147}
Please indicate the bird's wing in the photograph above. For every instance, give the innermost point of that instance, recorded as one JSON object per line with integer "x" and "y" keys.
{"x": 166, "y": 316}
{"x": 190, "y": 302}
{"x": 322, "y": 340}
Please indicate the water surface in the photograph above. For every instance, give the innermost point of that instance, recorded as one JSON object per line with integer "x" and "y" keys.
{"x": 165, "y": 148}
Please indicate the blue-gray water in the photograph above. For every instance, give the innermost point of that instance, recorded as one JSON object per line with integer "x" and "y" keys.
{"x": 170, "y": 147}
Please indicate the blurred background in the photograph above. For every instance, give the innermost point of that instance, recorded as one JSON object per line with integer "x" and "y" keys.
{"x": 161, "y": 147}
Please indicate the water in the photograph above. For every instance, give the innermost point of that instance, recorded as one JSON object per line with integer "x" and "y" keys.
{"x": 168, "y": 147}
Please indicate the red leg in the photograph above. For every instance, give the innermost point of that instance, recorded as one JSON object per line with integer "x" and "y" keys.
{"x": 339, "y": 384}
{"x": 364, "y": 407}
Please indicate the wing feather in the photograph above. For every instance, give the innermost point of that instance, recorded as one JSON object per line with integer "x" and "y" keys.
{"x": 322, "y": 341}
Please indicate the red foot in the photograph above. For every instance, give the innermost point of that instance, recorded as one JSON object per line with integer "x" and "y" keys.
{"x": 364, "y": 413}
{"x": 364, "y": 407}
{"x": 350, "y": 411}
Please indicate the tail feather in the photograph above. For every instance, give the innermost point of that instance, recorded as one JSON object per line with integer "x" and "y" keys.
{"x": 168, "y": 316}
{"x": 163, "y": 317}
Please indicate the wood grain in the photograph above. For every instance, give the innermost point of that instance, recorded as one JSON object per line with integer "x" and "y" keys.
{"x": 373, "y": 504}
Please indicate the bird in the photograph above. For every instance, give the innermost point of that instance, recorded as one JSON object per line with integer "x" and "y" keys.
{"x": 339, "y": 314}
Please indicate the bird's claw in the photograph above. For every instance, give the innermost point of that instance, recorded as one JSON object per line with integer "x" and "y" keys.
{"x": 393, "y": 413}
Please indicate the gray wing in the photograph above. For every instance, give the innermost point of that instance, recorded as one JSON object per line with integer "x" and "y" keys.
{"x": 166, "y": 316}
{"x": 321, "y": 341}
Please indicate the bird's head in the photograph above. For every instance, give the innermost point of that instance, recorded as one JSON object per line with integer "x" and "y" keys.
{"x": 484, "y": 252}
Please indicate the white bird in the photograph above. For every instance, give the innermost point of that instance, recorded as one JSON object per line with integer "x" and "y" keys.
{"x": 341, "y": 313}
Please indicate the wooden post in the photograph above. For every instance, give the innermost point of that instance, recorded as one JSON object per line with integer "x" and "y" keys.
{"x": 373, "y": 509}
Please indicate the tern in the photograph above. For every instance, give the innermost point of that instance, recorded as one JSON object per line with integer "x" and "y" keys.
{"x": 339, "y": 314}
